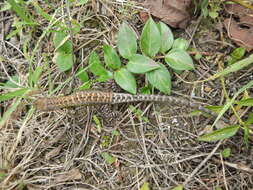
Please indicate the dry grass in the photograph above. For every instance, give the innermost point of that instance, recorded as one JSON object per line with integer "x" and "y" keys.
{"x": 156, "y": 144}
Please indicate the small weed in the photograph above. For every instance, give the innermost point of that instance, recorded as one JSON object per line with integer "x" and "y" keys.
{"x": 155, "y": 38}
{"x": 210, "y": 8}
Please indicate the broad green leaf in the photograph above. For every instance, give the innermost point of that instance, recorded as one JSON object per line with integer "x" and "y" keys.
{"x": 226, "y": 152}
{"x": 213, "y": 14}
{"x": 204, "y": 10}
{"x": 146, "y": 90}
{"x": 108, "y": 158}
{"x": 160, "y": 79}
{"x": 126, "y": 42}
{"x": 97, "y": 68}
{"x": 145, "y": 186}
{"x": 220, "y": 134}
{"x": 63, "y": 60}
{"x": 141, "y": 64}
{"x": 179, "y": 187}
{"x": 82, "y": 75}
{"x": 167, "y": 37}
{"x": 14, "y": 94}
{"x": 62, "y": 43}
{"x": 238, "y": 53}
{"x": 179, "y": 59}
{"x": 245, "y": 102}
{"x": 125, "y": 80}
{"x": 150, "y": 39}
{"x": 180, "y": 43}
{"x": 112, "y": 59}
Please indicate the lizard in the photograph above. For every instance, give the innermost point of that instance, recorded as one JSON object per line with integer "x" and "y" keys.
{"x": 99, "y": 97}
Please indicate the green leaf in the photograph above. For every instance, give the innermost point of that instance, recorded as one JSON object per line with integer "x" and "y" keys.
{"x": 76, "y": 27}
{"x": 246, "y": 133}
{"x": 233, "y": 68}
{"x": 33, "y": 79}
{"x": 85, "y": 86}
{"x": 145, "y": 186}
{"x": 40, "y": 11}
{"x": 180, "y": 43}
{"x": 215, "y": 109}
{"x": 204, "y": 10}
{"x": 198, "y": 56}
{"x": 108, "y": 158}
{"x": 63, "y": 60}
{"x": 167, "y": 37}
{"x": 125, "y": 80}
{"x": 98, "y": 123}
{"x": 14, "y": 94}
{"x": 97, "y": 68}
{"x": 82, "y": 75}
{"x": 245, "y": 102}
{"x": 220, "y": 134}
{"x": 10, "y": 84}
{"x": 81, "y": 2}
{"x": 213, "y": 14}
{"x": 249, "y": 121}
{"x": 150, "y": 39}
{"x": 112, "y": 59}
{"x": 146, "y": 90}
{"x": 179, "y": 59}
{"x": 226, "y": 152}
{"x": 127, "y": 42}
{"x": 5, "y": 7}
{"x": 160, "y": 79}
{"x": 141, "y": 64}
{"x": 62, "y": 43}
{"x": 179, "y": 187}
{"x": 231, "y": 101}
{"x": 21, "y": 11}
{"x": 238, "y": 53}
{"x": 8, "y": 113}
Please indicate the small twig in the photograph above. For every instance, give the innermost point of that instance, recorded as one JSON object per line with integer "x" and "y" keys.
{"x": 202, "y": 164}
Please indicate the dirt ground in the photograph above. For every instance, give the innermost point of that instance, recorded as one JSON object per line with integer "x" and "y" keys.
{"x": 85, "y": 147}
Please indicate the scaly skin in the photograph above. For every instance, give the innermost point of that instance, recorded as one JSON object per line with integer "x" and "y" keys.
{"x": 98, "y": 97}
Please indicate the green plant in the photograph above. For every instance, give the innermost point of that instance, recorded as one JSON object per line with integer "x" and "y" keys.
{"x": 155, "y": 38}
{"x": 231, "y": 130}
{"x": 210, "y": 8}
